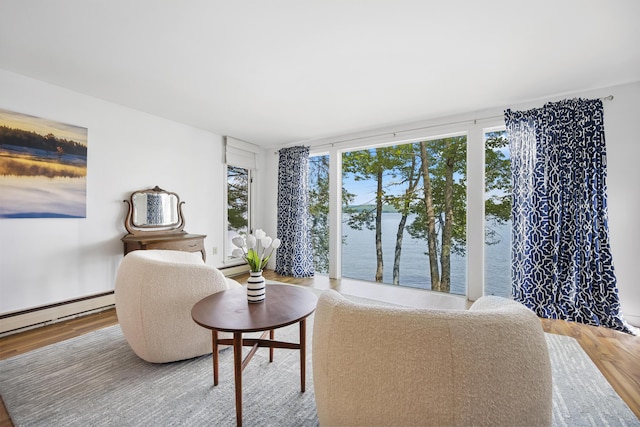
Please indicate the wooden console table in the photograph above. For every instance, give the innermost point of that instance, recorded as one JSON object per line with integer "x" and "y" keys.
{"x": 173, "y": 241}
{"x": 155, "y": 221}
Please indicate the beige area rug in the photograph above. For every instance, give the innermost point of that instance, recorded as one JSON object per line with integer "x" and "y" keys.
{"x": 96, "y": 380}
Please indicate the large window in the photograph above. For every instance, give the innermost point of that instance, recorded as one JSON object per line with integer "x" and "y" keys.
{"x": 238, "y": 201}
{"x": 450, "y": 232}
{"x": 497, "y": 252}
{"x": 404, "y": 214}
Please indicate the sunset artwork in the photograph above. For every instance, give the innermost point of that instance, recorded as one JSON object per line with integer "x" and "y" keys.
{"x": 43, "y": 167}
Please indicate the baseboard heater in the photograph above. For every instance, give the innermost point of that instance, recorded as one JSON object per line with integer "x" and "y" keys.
{"x": 18, "y": 321}
{"x": 21, "y": 320}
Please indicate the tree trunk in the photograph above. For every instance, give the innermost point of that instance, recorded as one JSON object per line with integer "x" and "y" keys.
{"x": 398, "y": 251}
{"x": 412, "y": 181}
{"x": 379, "y": 263}
{"x": 431, "y": 220}
{"x": 447, "y": 230}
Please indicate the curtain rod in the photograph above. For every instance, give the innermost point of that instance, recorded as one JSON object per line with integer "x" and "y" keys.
{"x": 393, "y": 134}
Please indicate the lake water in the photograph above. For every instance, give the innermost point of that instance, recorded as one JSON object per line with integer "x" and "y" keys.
{"x": 359, "y": 259}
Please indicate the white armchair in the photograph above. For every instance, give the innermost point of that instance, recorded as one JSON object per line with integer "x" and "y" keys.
{"x": 394, "y": 366}
{"x": 154, "y": 293}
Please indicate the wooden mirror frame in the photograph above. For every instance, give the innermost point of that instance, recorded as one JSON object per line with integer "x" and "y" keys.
{"x": 160, "y": 228}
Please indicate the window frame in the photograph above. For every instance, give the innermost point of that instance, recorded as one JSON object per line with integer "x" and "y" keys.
{"x": 487, "y": 130}
{"x": 240, "y": 154}
{"x": 227, "y": 260}
{"x": 475, "y": 129}
{"x": 388, "y": 267}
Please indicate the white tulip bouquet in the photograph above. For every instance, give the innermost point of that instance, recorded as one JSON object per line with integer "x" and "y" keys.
{"x": 254, "y": 249}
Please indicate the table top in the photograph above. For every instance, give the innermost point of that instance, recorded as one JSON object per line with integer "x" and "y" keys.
{"x": 229, "y": 311}
{"x": 181, "y": 235}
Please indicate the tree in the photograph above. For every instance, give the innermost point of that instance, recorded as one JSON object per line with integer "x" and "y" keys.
{"x": 410, "y": 173}
{"x": 441, "y": 215}
{"x": 319, "y": 211}
{"x": 237, "y": 199}
{"x": 497, "y": 206}
{"x": 439, "y": 205}
{"x": 365, "y": 165}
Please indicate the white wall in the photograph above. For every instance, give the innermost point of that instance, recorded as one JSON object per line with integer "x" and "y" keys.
{"x": 44, "y": 261}
{"x": 622, "y": 132}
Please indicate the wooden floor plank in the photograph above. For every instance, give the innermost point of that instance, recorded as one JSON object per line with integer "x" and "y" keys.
{"x": 615, "y": 354}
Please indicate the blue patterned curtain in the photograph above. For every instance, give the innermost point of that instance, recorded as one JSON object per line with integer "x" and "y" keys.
{"x": 295, "y": 255}
{"x": 561, "y": 258}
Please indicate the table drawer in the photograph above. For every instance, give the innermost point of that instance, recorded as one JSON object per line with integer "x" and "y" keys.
{"x": 179, "y": 245}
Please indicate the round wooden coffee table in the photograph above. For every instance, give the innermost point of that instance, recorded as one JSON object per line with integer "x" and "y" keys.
{"x": 229, "y": 311}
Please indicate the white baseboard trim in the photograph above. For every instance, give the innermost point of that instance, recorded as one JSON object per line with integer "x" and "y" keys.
{"x": 632, "y": 320}
{"x": 21, "y": 320}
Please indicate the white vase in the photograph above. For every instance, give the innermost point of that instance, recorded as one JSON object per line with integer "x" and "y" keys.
{"x": 256, "y": 287}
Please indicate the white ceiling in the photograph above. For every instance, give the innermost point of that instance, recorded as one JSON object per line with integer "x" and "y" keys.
{"x": 280, "y": 71}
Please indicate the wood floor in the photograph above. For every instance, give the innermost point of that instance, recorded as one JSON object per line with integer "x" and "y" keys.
{"x": 617, "y": 355}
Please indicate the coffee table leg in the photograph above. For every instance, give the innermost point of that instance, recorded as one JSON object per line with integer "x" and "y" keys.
{"x": 214, "y": 348}
{"x": 303, "y": 353}
{"x": 272, "y": 335}
{"x": 237, "y": 368}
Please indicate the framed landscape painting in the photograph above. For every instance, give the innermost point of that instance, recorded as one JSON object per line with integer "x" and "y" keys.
{"x": 43, "y": 168}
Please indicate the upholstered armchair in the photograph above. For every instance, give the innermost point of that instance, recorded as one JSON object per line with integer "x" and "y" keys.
{"x": 154, "y": 293}
{"x": 379, "y": 365}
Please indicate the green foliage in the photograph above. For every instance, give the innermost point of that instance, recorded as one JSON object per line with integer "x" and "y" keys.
{"x": 408, "y": 175}
{"x": 319, "y": 211}
{"x": 497, "y": 206}
{"x": 374, "y": 164}
{"x": 370, "y": 208}
{"x": 442, "y": 153}
{"x": 237, "y": 199}
{"x": 254, "y": 261}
